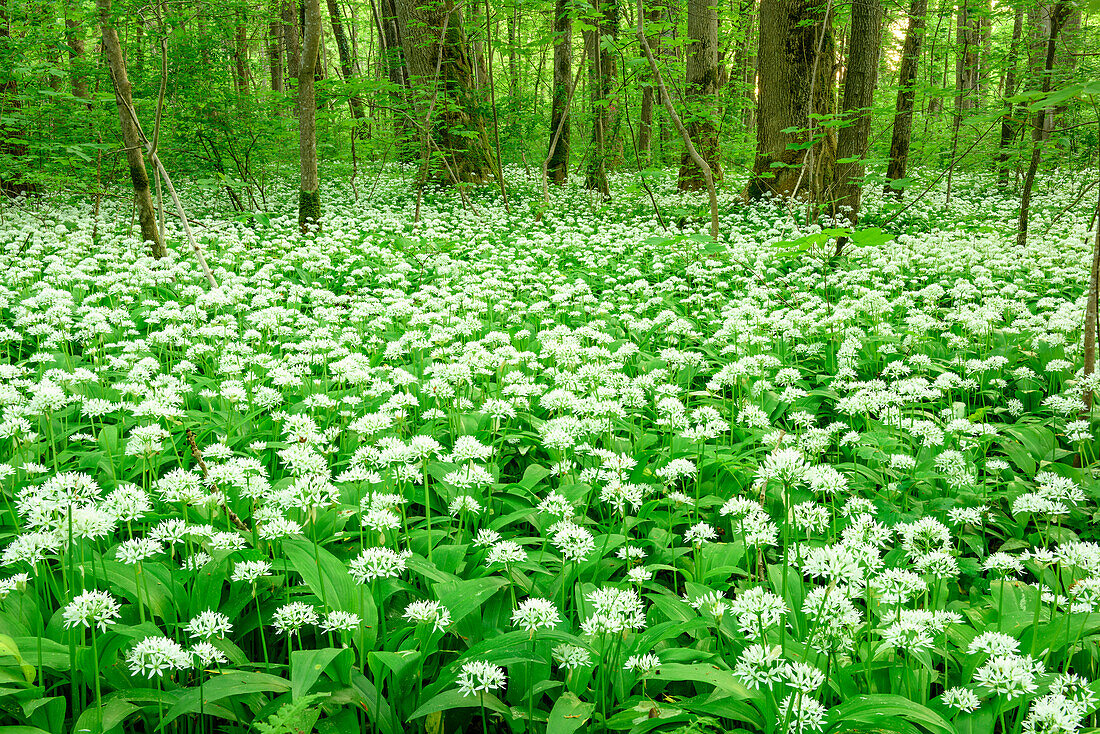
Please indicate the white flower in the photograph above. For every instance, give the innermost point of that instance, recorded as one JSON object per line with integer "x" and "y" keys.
{"x": 536, "y": 614}
{"x": 155, "y": 656}
{"x": 479, "y": 676}
{"x": 91, "y": 609}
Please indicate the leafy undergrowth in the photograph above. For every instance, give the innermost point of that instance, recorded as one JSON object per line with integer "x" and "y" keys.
{"x": 486, "y": 473}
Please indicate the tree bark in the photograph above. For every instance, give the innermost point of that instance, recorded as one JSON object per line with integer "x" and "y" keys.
{"x": 645, "y": 115}
{"x": 131, "y": 137}
{"x": 903, "y": 109}
{"x": 398, "y": 74}
{"x": 859, "y": 97}
{"x": 290, "y": 38}
{"x": 968, "y": 39}
{"x": 309, "y": 195}
{"x": 601, "y": 82}
{"x": 702, "y": 94}
{"x": 1039, "y": 129}
{"x": 275, "y": 55}
{"x": 791, "y": 31}
{"x": 347, "y": 60}
{"x": 558, "y": 166}
{"x": 74, "y": 39}
{"x": 433, "y": 37}
{"x": 240, "y": 54}
{"x": 1008, "y": 119}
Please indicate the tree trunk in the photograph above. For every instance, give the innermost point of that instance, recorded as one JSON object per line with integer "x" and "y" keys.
{"x": 131, "y": 138}
{"x": 859, "y": 97}
{"x": 702, "y": 94}
{"x": 275, "y": 56}
{"x": 240, "y": 54}
{"x": 1039, "y": 130}
{"x": 433, "y": 37}
{"x": 290, "y": 39}
{"x": 645, "y": 122}
{"x": 1008, "y": 119}
{"x": 398, "y": 74}
{"x": 477, "y": 43}
{"x": 791, "y": 32}
{"x": 74, "y": 39}
{"x": 309, "y": 195}
{"x": 968, "y": 39}
{"x": 558, "y": 167}
{"x": 601, "y": 82}
{"x": 903, "y": 110}
{"x": 347, "y": 60}
{"x": 513, "y": 55}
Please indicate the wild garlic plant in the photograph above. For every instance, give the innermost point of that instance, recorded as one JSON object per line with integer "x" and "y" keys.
{"x": 482, "y": 473}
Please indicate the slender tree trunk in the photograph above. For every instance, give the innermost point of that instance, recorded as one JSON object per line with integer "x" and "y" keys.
{"x": 275, "y": 56}
{"x": 1008, "y": 121}
{"x": 74, "y": 39}
{"x": 309, "y": 195}
{"x": 903, "y": 110}
{"x": 859, "y": 97}
{"x": 290, "y": 39}
{"x": 558, "y": 166}
{"x": 645, "y": 121}
{"x": 968, "y": 39}
{"x": 347, "y": 60}
{"x": 791, "y": 32}
{"x": 601, "y": 82}
{"x": 131, "y": 137}
{"x": 513, "y": 54}
{"x": 477, "y": 45}
{"x": 702, "y": 94}
{"x": 398, "y": 74}
{"x": 240, "y": 54}
{"x": 1039, "y": 130}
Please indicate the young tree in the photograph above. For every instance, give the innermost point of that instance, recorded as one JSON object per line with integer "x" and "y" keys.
{"x": 599, "y": 42}
{"x": 558, "y": 166}
{"x": 702, "y": 90}
{"x": 903, "y": 108}
{"x": 131, "y": 136}
{"x": 859, "y": 96}
{"x": 309, "y": 195}
{"x": 796, "y": 53}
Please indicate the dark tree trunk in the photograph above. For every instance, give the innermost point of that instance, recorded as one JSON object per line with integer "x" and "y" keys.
{"x": 433, "y": 36}
{"x": 557, "y": 169}
{"x": 645, "y": 121}
{"x": 601, "y": 82}
{"x": 131, "y": 136}
{"x": 290, "y": 39}
{"x": 240, "y": 54}
{"x": 968, "y": 39}
{"x": 275, "y": 56}
{"x": 347, "y": 59}
{"x": 903, "y": 109}
{"x": 309, "y": 195}
{"x": 859, "y": 97}
{"x": 702, "y": 94}
{"x": 791, "y": 31}
{"x": 1039, "y": 129}
{"x": 1009, "y": 118}
{"x": 74, "y": 39}
{"x": 398, "y": 74}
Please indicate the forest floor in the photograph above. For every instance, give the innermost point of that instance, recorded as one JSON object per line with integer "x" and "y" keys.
{"x": 488, "y": 470}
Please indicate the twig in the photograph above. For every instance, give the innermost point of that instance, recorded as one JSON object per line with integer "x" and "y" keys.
{"x": 233, "y": 517}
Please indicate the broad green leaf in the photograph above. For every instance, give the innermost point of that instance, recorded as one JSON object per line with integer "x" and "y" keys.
{"x": 569, "y": 714}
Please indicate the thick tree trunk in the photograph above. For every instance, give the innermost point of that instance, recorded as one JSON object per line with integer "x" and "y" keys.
{"x": 1039, "y": 129}
{"x": 347, "y": 60}
{"x": 558, "y": 167}
{"x": 1008, "y": 119}
{"x": 903, "y": 109}
{"x": 131, "y": 138}
{"x": 645, "y": 121}
{"x": 309, "y": 195}
{"x": 433, "y": 37}
{"x": 859, "y": 97}
{"x": 791, "y": 32}
{"x": 702, "y": 94}
{"x": 275, "y": 56}
{"x": 290, "y": 39}
{"x": 601, "y": 82}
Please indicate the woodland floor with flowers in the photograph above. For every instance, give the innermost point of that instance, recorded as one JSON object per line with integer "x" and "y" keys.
{"x": 484, "y": 472}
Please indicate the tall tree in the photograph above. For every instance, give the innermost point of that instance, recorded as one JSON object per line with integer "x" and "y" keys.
{"x": 796, "y": 52}
{"x": 240, "y": 54}
{"x": 903, "y": 108}
{"x": 859, "y": 96}
{"x": 397, "y": 72}
{"x": 290, "y": 38}
{"x": 275, "y": 54}
{"x": 600, "y": 39}
{"x": 434, "y": 38}
{"x": 347, "y": 59}
{"x": 1008, "y": 119}
{"x": 645, "y": 115}
{"x": 1040, "y": 126}
{"x": 131, "y": 135}
{"x": 702, "y": 93}
{"x": 74, "y": 39}
{"x": 309, "y": 195}
{"x": 558, "y": 167}
{"x": 968, "y": 41}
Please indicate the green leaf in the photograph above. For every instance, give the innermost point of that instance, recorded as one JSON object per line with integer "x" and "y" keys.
{"x": 464, "y": 597}
{"x": 306, "y": 667}
{"x": 873, "y": 709}
{"x": 569, "y": 714}
{"x": 721, "y": 679}
{"x": 453, "y": 699}
{"x": 234, "y": 683}
{"x": 324, "y": 574}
